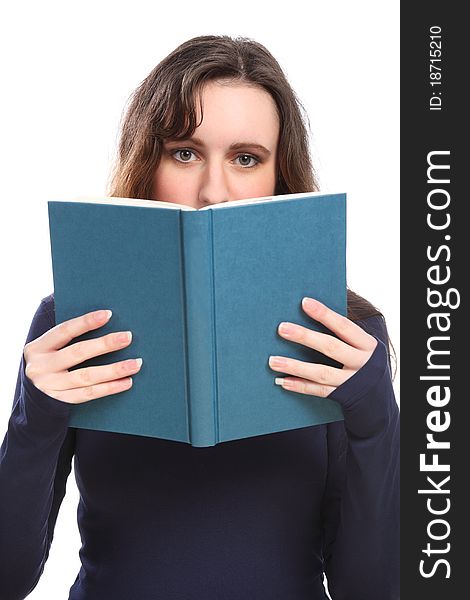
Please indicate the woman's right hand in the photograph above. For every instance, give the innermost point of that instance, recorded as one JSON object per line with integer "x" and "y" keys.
{"x": 47, "y": 361}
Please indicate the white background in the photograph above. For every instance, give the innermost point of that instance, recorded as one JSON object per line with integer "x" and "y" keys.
{"x": 69, "y": 67}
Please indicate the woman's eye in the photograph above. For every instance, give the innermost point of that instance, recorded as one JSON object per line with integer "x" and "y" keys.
{"x": 245, "y": 160}
{"x": 184, "y": 154}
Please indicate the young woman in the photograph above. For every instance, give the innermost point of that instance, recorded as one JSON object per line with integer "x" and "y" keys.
{"x": 263, "y": 517}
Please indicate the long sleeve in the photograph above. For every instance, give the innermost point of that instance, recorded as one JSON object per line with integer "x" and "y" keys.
{"x": 361, "y": 505}
{"x": 35, "y": 460}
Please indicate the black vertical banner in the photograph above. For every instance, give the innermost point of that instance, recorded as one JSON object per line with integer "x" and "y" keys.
{"x": 435, "y": 268}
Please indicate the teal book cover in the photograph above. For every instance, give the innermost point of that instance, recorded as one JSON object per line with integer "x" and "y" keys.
{"x": 203, "y": 292}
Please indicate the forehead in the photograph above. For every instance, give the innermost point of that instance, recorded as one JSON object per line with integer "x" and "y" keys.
{"x": 237, "y": 111}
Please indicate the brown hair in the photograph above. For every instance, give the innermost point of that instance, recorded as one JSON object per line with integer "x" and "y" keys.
{"x": 164, "y": 106}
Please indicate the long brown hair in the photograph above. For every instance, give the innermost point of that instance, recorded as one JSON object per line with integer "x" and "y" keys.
{"x": 164, "y": 106}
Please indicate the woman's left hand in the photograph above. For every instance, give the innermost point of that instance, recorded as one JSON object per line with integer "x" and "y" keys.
{"x": 317, "y": 379}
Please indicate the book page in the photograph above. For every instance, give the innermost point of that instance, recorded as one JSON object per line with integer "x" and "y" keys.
{"x": 173, "y": 205}
{"x": 126, "y": 202}
{"x": 263, "y": 199}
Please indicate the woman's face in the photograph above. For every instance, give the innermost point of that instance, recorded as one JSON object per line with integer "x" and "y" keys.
{"x": 231, "y": 155}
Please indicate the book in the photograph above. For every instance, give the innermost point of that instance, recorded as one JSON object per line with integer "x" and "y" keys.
{"x": 203, "y": 292}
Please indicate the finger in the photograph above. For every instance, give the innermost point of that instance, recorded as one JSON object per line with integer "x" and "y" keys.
{"x": 304, "y": 386}
{"x": 322, "y": 374}
{"x": 92, "y": 392}
{"x": 89, "y": 376}
{"x": 327, "y": 344}
{"x": 80, "y": 351}
{"x": 63, "y": 333}
{"x": 346, "y": 329}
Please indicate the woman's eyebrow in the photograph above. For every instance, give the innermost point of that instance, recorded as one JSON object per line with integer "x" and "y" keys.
{"x": 237, "y": 146}
{"x": 240, "y": 145}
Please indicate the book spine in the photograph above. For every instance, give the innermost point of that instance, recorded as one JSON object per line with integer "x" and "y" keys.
{"x": 197, "y": 257}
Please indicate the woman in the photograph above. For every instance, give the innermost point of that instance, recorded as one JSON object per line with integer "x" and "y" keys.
{"x": 263, "y": 517}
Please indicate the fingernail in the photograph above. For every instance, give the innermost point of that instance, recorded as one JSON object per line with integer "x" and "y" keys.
{"x": 286, "y": 328}
{"x": 277, "y": 361}
{"x": 103, "y": 314}
{"x": 310, "y": 303}
{"x": 124, "y": 337}
{"x": 285, "y": 383}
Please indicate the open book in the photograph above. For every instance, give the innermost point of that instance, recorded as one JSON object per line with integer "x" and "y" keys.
{"x": 203, "y": 292}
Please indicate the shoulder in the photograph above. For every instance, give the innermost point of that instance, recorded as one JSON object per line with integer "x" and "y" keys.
{"x": 48, "y": 303}
{"x": 43, "y": 319}
{"x": 46, "y": 311}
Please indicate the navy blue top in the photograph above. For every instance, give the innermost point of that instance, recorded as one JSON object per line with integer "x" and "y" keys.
{"x": 259, "y": 518}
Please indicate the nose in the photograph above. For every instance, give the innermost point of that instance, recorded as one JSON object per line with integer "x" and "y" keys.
{"x": 214, "y": 185}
